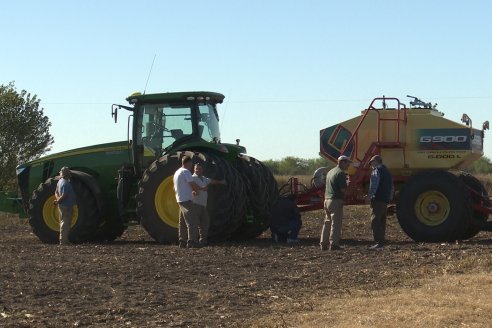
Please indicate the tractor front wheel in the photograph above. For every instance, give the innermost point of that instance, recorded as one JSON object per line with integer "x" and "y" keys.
{"x": 434, "y": 206}
{"x": 156, "y": 202}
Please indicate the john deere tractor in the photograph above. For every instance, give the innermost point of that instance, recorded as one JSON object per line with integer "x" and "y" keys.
{"x": 426, "y": 153}
{"x": 131, "y": 181}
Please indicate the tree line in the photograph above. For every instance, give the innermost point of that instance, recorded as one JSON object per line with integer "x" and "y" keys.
{"x": 24, "y": 132}
{"x": 293, "y": 166}
{"x": 24, "y": 136}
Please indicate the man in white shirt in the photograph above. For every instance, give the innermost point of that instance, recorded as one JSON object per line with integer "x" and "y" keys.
{"x": 200, "y": 199}
{"x": 185, "y": 187}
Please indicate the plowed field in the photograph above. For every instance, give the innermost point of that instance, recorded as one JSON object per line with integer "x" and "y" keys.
{"x": 135, "y": 282}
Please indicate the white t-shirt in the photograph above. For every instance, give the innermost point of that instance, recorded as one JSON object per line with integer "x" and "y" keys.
{"x": 202, "y": 182}
{"x": 182, "y": 178}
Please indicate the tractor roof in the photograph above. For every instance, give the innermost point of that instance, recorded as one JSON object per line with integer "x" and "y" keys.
{"x": 172, "y": 97}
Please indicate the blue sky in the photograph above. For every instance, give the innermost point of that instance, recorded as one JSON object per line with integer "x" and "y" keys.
{"x": 287, "y": 68}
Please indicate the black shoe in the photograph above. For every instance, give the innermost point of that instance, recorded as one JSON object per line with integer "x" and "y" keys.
{"x": 182, "y": 244}
{"x": 324, "y": 247}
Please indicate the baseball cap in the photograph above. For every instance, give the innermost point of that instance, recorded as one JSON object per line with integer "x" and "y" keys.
{"x": 344, "y": 158}
{"x": 65, "y": 172}
{"x": 376, "y": 158}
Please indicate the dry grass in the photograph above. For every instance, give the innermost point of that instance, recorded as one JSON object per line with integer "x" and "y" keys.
{"x": 445, "y": 301}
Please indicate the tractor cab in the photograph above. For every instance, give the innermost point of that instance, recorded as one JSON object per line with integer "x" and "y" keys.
{"x": 166, "y": 122}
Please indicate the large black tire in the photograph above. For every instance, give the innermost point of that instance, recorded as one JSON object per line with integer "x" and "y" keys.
{"x": 226, "y": 204}
{"x": 261, "y": 195}
{"x": 434, "y": 206}
{"x": 44, "y": 218}
{"x": 156, "y": 202}
{"x": 480, "y": 196}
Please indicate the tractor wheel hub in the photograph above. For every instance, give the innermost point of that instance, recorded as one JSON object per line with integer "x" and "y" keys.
{"x": 433, "y": 208}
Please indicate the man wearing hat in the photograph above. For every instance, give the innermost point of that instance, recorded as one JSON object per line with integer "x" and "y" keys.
{"x": 336, "y": 185}
{"x": 65, "y": 199}
{"x": 379, "y": 195}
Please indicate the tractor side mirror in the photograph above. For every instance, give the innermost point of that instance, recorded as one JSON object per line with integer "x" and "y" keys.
{"x": 114, "y": 112}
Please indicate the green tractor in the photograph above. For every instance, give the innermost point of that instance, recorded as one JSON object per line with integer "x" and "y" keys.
{"x": 131, "y": 181}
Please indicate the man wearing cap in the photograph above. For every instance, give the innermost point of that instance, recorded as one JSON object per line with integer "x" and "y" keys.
{"x": 379, "y": 195}
{"x": 65, "y": 199}
{"x": 336, "y": 185}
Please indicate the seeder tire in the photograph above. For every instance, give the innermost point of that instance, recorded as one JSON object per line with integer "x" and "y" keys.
{"x": 44, "y": 217}
{"x": 471, "y": 182}
{"x": 434, "y": 206}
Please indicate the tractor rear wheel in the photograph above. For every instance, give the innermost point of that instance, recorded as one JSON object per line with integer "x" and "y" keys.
{"x": 156, "y": 202}
{"x": 159, "y": 212}
{"x": 261, "y": 193}
{"x": 44, "y": 217}
{"x": 434, "y": 206}
{"x": 479, "y": 196}
{"x": 226, "y": 204}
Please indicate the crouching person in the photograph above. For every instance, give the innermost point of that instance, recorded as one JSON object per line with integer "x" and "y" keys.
{"x": 286, "y": 221}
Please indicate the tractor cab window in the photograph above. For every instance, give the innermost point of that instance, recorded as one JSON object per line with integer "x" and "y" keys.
{"x": 162, "y": 125}
{"x": 208, "y": 123}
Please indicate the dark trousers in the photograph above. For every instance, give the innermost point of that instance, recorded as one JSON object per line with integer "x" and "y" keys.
{"x": 288, "y": 230}
{"x": 378, "y": 220}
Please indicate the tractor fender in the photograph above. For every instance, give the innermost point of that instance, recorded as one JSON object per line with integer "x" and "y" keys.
{"x": 91, "y": 183}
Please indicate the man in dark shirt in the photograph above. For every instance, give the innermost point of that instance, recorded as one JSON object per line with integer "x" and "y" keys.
{"x": 286, "y": 221}
{"x": 336, "y": 185}
{"x": 65, "y": 199}
{"x": 379, "y": 195}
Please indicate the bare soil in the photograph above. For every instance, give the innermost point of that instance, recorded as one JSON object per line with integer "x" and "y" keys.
{"x": 135, "y": 282}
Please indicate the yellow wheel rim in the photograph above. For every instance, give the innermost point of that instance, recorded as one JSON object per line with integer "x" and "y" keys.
{"x": 432, "y": 208}
{"x": 51, "y": 216}
{"x": 165, "y": 203}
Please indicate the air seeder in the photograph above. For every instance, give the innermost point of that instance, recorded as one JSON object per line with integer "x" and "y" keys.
{"x": 425, "y": 152}
{"x": 131, "y": 181}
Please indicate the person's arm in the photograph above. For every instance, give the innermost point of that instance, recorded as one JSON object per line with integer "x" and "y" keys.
{"x": 343, "y": 182}
{"x": 373, "y": 185}
{"x": 194, "y": 186}
{"x": 213, "y": 181}
{"x": 60, "y": 195}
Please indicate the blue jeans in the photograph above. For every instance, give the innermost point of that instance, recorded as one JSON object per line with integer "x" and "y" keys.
{"x": 288, "y": 230}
